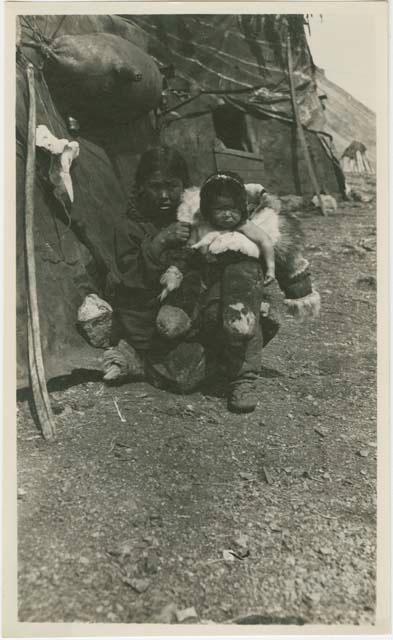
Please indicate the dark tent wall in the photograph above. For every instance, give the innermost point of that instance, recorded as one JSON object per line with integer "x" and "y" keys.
{"x": 241, "y": 56}
{"x": 195, "y": 138}
{"x": 62, "y": 258}
{"x": 285, "y": 169}
{"x": 70, "y": 253}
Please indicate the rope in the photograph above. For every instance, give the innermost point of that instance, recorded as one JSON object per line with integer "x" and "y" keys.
{"x": 56, "y": 31}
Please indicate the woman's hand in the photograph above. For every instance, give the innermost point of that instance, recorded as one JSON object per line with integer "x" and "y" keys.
{"x": 175, "y": 234}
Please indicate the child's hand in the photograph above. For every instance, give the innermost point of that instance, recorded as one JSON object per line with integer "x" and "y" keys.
{"x": 269, "y": 277}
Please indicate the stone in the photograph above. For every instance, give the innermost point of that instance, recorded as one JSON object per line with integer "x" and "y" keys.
{"x": 291, "y": 203}
{"x": 140, "y": 585}
{"x": 328, "y": 202}
{"x": 186, "y": 614}
{"x": 167, "y": 614}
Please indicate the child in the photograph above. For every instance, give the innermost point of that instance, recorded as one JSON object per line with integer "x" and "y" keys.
{"x": 219, "y": 215}
{"x": 224, "y": 206}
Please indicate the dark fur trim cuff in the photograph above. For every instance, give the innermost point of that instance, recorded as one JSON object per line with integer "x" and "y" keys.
{"x": 298, "y": 287}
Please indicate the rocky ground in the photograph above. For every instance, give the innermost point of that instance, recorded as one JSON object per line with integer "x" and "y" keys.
{"x": 154, "y": 507}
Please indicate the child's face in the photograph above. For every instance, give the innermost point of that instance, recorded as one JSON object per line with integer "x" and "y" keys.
{"x": 162, "y": 194}
{"x": 223, "y": 213}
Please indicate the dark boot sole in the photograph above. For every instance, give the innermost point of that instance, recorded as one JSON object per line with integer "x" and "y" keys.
{"x": 235, "y": 409}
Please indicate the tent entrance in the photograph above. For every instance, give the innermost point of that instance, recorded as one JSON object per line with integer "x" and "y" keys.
{"x": 231, "y": 127}
{"x": 234, "y": 149}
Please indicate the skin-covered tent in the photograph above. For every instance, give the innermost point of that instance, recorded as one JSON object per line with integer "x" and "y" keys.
{"x": 229, "y": 102}
{"x": 225, "y": 103}
{"x": 355, "y": 159}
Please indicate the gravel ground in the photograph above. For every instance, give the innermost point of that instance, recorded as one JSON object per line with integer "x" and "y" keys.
{"x": 183, "y": 505}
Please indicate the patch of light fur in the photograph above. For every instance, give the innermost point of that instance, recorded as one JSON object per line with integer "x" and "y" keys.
{"x": 237, "y": 306}
{"x": 218, "y": 242}
{"x": 189, "y": 205}
{"x": 243, "y": 325}
{"x": 267, "y": 219}
{"x": 307, "y": 307}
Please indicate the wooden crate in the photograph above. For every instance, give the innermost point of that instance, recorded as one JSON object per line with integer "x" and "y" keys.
{"x": 249, "y": 166}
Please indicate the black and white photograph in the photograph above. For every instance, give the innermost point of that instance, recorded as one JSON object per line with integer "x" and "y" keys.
{"x": 197, "y": 270}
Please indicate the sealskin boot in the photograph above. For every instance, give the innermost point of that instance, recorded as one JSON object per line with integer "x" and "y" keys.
{"x": 243, "y": 395}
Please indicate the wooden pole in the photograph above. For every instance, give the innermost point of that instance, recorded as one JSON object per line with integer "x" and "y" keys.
{"x": 299, "y": 129}
{"x": 36, "y": 364}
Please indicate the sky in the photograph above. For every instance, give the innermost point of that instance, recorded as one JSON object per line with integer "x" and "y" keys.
{"x": 344, "y": 45}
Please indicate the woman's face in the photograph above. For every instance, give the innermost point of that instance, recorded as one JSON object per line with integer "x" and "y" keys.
{"x": 162, "y": 195}
{"x": 223, "y": 213}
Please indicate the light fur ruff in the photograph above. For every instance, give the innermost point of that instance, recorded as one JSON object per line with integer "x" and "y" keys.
{"x": 306, "y": 307}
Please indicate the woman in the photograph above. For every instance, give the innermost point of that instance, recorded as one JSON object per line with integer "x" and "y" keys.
{"x": 215, "y": 314}
{"x": 147, "y": 336}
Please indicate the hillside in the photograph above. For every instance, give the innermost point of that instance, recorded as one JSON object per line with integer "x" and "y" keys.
{"x": 347, "y": 118}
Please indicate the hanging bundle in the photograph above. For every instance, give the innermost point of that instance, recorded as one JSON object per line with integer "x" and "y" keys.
{"x": 101, "y": 76}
